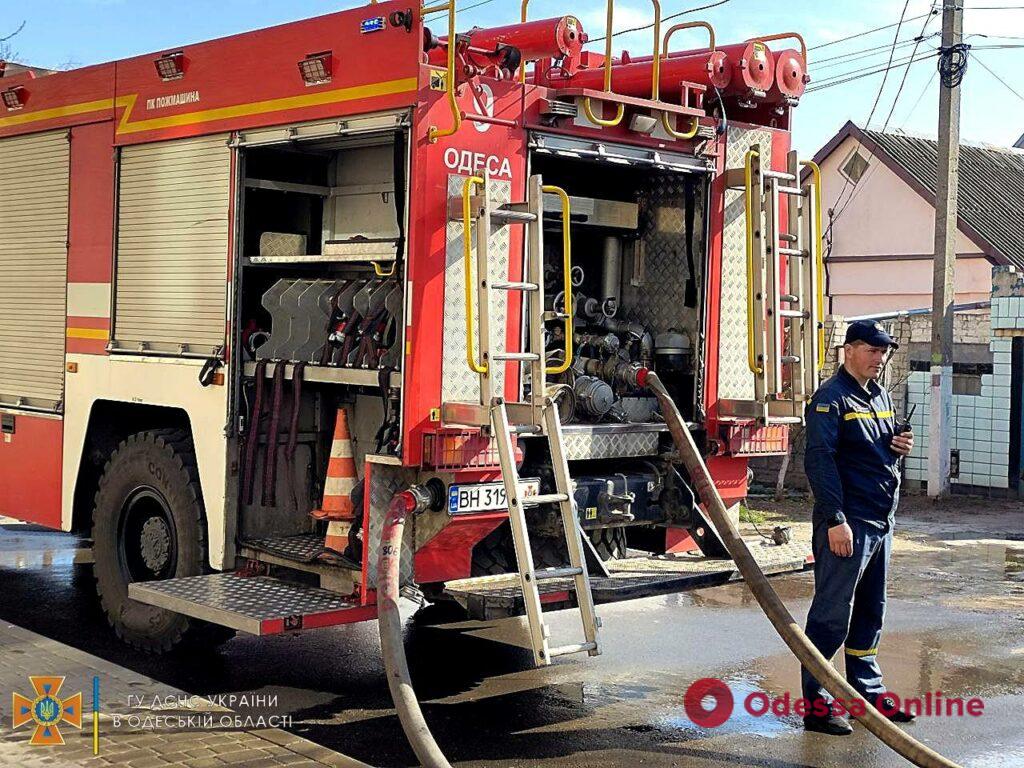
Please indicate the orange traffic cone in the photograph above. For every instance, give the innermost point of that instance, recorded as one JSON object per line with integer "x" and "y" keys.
{"x": 337, "y": 507}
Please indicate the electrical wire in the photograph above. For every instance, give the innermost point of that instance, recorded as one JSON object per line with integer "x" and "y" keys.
{"x": 837, "y": 61}
{"x": 917, "y": 102}
{"x": 663, "y": 18}
{"x": 892, "y": 51}
{"x": 906, "y": 72}
{"x": 1009, "y": 87}
{"x": 953, "y": 64}
{"x": 932, "y": 12}
{"x": 878, "y": 97}
{"x": 467, "y": 8}
{"x": 856, "y": 54}
{"x": 860, "y": 74}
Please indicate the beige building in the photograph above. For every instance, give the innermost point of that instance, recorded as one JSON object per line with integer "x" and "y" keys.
{"x": 880, "y": 219}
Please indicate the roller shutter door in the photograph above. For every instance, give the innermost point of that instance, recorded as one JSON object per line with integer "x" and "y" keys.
{"x": 34, "y": 177}
{"x": 172, "y": 246}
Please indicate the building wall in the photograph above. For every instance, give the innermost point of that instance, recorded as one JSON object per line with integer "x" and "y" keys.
{"x": 883, "y": 217}
{"x": 981, "y": 423}
{"x": 874, "y": 287}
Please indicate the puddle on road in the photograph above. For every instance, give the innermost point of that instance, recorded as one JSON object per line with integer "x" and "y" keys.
{"x": 971, "y": 574}
{"x": 26, "y": 547}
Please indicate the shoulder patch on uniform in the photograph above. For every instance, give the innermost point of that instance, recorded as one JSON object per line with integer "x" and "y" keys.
{"x": 823, "y": 408}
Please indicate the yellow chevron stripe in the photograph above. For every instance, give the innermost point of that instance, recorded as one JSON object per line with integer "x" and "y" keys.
{"x": 320, "y": 98}
{"x": 125, "y": 126}
{"x": 868, "y": 652}
{"x": 88, "y": 333}
{"x": 51, "y": 114}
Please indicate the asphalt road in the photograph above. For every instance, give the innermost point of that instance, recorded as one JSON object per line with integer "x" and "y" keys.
{"x": 955, "y": 623}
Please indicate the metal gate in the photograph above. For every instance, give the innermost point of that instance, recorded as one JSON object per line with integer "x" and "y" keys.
{"x": 33, "y": 269}
{"x": 172, "y": 247}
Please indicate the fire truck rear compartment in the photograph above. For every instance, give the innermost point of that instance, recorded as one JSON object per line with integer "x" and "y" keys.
{"x": 320, "y": 311}
{"x": 638, "y": 254}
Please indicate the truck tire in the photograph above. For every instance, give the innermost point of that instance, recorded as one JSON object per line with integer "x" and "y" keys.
{"x": 610, "y": 543}
{"x": 148, "y": 525}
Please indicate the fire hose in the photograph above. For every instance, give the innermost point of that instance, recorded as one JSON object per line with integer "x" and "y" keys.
{"x": 771, "y": 604}
{"x": 417, "y": 498}
{"x": 389, "y": 621}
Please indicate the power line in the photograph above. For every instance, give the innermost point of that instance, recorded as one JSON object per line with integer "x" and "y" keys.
{"x": 870, "y": 31}
{"x": 906, "y": 72}
{"x": 467, "y": 8}
{"x": 906, "y": 117}
{"x": 848, "y": 54}
{"x": 839, "y": 60}
{"x": 663, "y": 18}
{"x": 892, "y": 51}
{"x": 881, "y": 88}
{"x": 1009, "y": 87}
{"x": 859, "y": 74}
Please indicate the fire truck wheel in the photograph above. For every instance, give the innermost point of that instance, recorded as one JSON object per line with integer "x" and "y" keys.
{"x": 148, "y": 526}
{"x": 610, "y": 543}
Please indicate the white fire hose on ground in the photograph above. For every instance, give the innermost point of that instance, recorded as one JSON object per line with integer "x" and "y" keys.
{"x": 397, "y": 668}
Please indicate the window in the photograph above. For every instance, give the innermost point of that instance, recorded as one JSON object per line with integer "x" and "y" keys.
{"x": 855, "y": 166}
{"x": 966, "y": 383}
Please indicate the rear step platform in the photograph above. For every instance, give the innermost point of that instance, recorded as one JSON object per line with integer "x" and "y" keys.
{"x": 259, "y": 605}
{"x": 493, "y": 597}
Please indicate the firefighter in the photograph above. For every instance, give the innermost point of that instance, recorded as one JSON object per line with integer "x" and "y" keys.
{"x": 852, "y": 461}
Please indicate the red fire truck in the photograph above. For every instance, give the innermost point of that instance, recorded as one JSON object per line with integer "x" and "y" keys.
{"x": 255, "y": 289}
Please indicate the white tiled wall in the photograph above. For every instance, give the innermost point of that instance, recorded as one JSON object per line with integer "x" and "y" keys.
{"x": 981, "y": 423}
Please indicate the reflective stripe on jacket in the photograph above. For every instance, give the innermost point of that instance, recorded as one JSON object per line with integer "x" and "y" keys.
{"x": 849, "y": 462}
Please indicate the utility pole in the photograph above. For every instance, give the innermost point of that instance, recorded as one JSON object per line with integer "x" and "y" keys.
{"x": 943, "y": 292}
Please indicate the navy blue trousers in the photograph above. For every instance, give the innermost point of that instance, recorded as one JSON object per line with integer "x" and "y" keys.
{"x": 849, "y": 607}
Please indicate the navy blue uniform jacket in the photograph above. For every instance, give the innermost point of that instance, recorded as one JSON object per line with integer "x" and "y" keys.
{"x": 852, "y": 469}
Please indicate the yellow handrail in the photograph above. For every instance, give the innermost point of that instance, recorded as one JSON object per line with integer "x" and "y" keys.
{"x": 671, "y": 129}
{"x": 785, "y": 36}
{"x": 587, "y": 107}
{"x": 467, "y": 263}
{"x": 748, "y": 182}
{"x": 436, "y": 133}
{"x": 522, "y": 65}
{"x": 665, "y": 117}
{"x": 566, "y": 276}
{"x": 689, "y": 25}
{"x": 656, "y": 63}
{"x": 819, "y": 258}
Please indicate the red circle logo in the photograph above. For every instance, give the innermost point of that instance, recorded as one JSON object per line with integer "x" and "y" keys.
{"x": 693, "y": 702}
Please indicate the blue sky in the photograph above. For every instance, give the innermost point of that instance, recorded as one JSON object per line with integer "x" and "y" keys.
{"x": 90, "y": 31}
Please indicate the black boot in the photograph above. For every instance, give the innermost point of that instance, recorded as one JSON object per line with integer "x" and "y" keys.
{"x": 832, "y": 725}
{"x": 886, "y": 704}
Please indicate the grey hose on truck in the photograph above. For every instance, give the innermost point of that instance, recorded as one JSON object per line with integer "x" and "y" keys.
{"x": 389, "y": 622}
{"x": 773, "y": 607}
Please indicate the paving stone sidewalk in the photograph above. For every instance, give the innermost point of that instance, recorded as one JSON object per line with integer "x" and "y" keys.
{"x": 141, "y": 719}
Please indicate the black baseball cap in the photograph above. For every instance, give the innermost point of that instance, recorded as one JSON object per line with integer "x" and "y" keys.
{"x": 870, "y": 332}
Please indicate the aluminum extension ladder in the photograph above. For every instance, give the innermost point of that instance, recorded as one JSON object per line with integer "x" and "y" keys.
{"x": 538, "y": 416}
{"x": 785, "y": 321}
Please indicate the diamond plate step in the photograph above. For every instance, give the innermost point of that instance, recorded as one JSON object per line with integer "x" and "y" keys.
{"x": 259, "y": 605}
{"x": 492, "y": 597}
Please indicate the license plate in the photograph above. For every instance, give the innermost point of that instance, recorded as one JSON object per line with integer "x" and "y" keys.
{"x": 484, "y": 497}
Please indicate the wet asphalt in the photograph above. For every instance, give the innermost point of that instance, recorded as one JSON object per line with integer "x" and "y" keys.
{"x": 955, "y": 624}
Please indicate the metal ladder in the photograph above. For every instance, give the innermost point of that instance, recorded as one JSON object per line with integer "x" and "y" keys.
{"x": 785, "y": 330}
{"x": 538, "y": 416}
